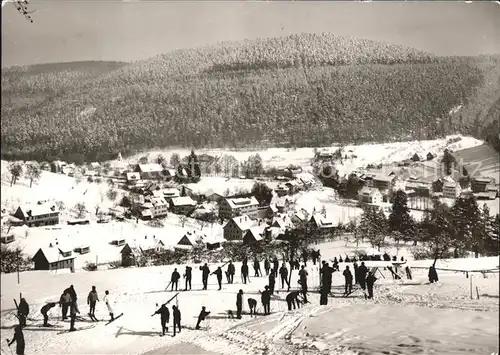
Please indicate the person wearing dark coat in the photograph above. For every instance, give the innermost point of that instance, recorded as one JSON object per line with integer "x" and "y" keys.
{"x": 275, "y": 266}
{"x": 303, "y": 282}
{"x": 188, "y": 274}
{"x": 218, "y": 273}
{"x": 272, "y": 281}
{"x": 433, "y": 276}
{"x": 230, "y": 272}
{"x": 356, "y": 273}
{"x": 348, "y": 280}
{"x": 239, "y": 304}
{"x": 44, "y": 311}
{"x": 22, "y": 311}
{"x": 291, "y": 299}
{"x": 284, "y": 276}
{"x": 326, "y": 278}
{"x": 314, "y": 257}
{"x": 72, "y": 292}
{"x": 244, "y": 273}
{"x": 164, "y": 317}
{"x": 340, "y": 259}
{"x": 201, "y": 317}
{"x": 267, "y": 266}
{"x": 370, "y": 280}
{"x": 205, "y": 272}
{"x": 362, "y": 271}
{"x": 305, "y": 256}
{"x": 408, "y": 273}
{"x": 73, "y": 311}
{"x": 174, "y": 280}
{"x": 64, "y": 302}
{"x": 323, "y": 300}
{"x": 252, "y": 305}
{"x": 19, "y": 339}
{"x": 265, "y": 298}
{"x": 92, "y": 298}
{"x": 347, "y": 260}
{"x": 256, "y": 268}
{"x": 177, "y": 318}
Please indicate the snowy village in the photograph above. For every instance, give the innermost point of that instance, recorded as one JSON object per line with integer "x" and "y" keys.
{"x": 298, "y": 193}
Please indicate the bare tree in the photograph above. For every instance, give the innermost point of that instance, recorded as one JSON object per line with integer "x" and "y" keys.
{"x": 81, "y": 210}
{"x": 33, "y": 172}
{"x": 112, "y": 194}
{"x": 21, "y": 7}
{"x": 182, "y": 220}
{"x": 16, "y": 171}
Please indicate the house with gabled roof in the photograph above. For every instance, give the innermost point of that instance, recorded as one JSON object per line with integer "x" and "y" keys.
{"x": 230, "y": 207}
{"x": 133, "y": 177}
{"x": 254, "y": 234}
{"x": 159, "y": 207}
{"x": 182, "y": 205}
{"x": 320, "y": 221}
{"x": 52, "y": 258}
{"x": 370, "y": 195}
{"x": 236, "y": 227}
{"x": 150, "y": 171}
{"x": 40, "y": 214}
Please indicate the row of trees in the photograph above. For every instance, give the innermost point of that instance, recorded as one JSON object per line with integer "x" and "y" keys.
{"x": 443, "y": 230}
{"x": 30, "y": 170}
{"x": 142, "y": 106}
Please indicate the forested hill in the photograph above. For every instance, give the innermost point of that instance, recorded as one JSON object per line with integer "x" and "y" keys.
{"x": 297, "y": 90}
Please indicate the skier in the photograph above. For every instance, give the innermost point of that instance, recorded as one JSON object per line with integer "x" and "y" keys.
{"x": 266, "y": 300}
{"x": 433, "y": 276}
{"x": 348, "y": 280}
{"x": 303, "y": 282}
{"x": 267, "y": 266}
{"x": 19, "y": 339}
{"x": 64, "y": 302}
{"x": 92, "y": 298}
{"x": 164, "y": 317}
{"x": 244, "y": 273}
{"x": 362, "y": 271}
{"x": 177, "y": 318}
{"x": 205, "y": 272}
{"x": 326, "y": 277}
{"x": 218, "y": 273}
{"x": 323, "y": 300}
{"x": 305, "y": 256}
{"x": 174, "y": 279}
{"x": 203, "y": 314}
{"x": 72, "y": 293}
{"x": 284, "y": 276}
{"x": 314, "y": 257}
{"x": 256, "y": 268}
{"x": 370, "y": 280}
{"x": 291, "y": 299}
{"x": 272, "y": 281}
{"x": 73, "y": 311}
{"x": 44, "y": 311}
{"x": 22, "y": 311}
{"x": 187, "y": 276}
{"x": 230, "y": 272}
{"x": 252, "y": 304}
{"x": 275, "y": 266}
{"x": 356, "y": 272}
{"x": 239, "y": 304}
{"x": 408, "y": 272}
{"x": 109, "y": 303}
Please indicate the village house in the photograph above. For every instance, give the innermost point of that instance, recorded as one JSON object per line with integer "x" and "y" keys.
{"x": 236, "y": 227}
{"x": 182, "y": 205}
{"x": 40, "y": 214}
{"x": 430, "y": 156}
{"x": 320, "y": 221}
{"x": 6, "y": 239}
{"x": 133, "y": 177}
{"x": 415, "y": 157}
{"x": 52, "y": 258}
{"x": 254, "y": 234}
{"x": 370, "y": 195}
{"x": 418, "y": 188}
{"x": 130, "y": 255}
{"x": 159, "y": 207}
{"x": 382, "y": 182}
{"x": 150, "y": 171}
{"x": 451, "y": 189}
{"x": 82, "y": 249}
{"x": 167, "y": 194}
{"x": 483, "y": 184}
{"x": 282, "y": 190}
{"x": 170, "y": 174}
{"x": 215, "y": 197}
{"x": 283, "y": 222}
{"x": 299, "y": 218}
{"x": 230, "y": 207}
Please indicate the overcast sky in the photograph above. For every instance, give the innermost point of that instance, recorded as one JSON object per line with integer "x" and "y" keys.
{"x": 65, "y": 30}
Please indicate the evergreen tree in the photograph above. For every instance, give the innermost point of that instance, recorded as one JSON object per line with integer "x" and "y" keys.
{"x": 466, "y": 218}
{"x": 400, "y": 219}
{"x": 439, "y": 230}
{"x": 447, "y": 161}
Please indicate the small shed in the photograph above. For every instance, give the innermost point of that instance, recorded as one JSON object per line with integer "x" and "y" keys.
{"x": 253, "y": 235}
{"x": 118, "y": 242}
{"x": 82, "y": 249}
{"x": 51, "y": 258}
{"x": 6, "y": 239}
{"x": 130, "y": 255}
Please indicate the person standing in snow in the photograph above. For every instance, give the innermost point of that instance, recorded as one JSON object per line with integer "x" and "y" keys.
{"x": 110, "y": 304}
{"x": 244, "y": 273}
{"x": 174, "y": 279}
{"x": 275, "y": 266}
{"x": 64, "y": 302}
{"x": 204, "y": 276}
{"x": 305, "y": 256}
{"x": 356, "y": 273}
{"x": 433, "y": 276}
{"x": 92, "y": 298}
{"x": 267, "y": 266}
{"x": 239, "y": 304}
{"x": 72, "y": 293}
{"x": 362, "y": 271}
{"x": 164, "y": 317}
{"x": 303, "y": 282}
{"x": 326, "y": 277}
{"x": 313, "y": 257}
{"x": 291, "y": 299}
{"x": 348, "y": 280}
{"x": 408, "y": 272}
{"x": 230, "y": 272}
{"x": 266, "y": 300}
{"x": 284, "y": 276}
{"x": 218, "y": 273}
{"x": 73, "y": 311}
{"x": 44, "y": 311}
{"x": 22, "y": 311}
{"x": 370, "y": 280}
{"x": 272, "y": 281}
{"x": 177, "y": 318}
{"x": 201, "y": 317}
{"x": 19, "y": 339}
{"x": 187, "y": 276}
{"x": 256, "y": 267}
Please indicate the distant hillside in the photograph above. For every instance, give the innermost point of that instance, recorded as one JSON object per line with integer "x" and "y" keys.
{"x": 300, "y": 90}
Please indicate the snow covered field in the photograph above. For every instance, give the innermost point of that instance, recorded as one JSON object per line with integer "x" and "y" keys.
{"x": 405, "y": 317}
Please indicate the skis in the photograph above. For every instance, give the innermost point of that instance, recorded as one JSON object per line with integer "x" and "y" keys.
{"x": 111, "y": 321}
{"x": 171, "y": 298}
{"x": 166, "y": 288}
{"x": 76, "y": 329}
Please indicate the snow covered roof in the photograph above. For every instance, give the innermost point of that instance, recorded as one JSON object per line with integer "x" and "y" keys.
{"x": 133, "y": 176}
{"x": 450, "y": 185}
{"x": 183, "y": 201}
{"x": 170, "y": 192}
{"x": 95, "y": 165}
{"x": 242, "y": 202}
{"x": 158, "y": 201}
{"x": 148, "y": 168}
{"x": 38, "y": 209}
{"x": 147, "y": 243}
{"x": 53, "y": 255}
{"x": 146, "y": 213}
{"x": 368, "y": 191}
{"x": 282, "y": 221}
{"x": 244, "y": 222}
{"x": 257, "y": 232}
{"x": 323, "y": 221}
